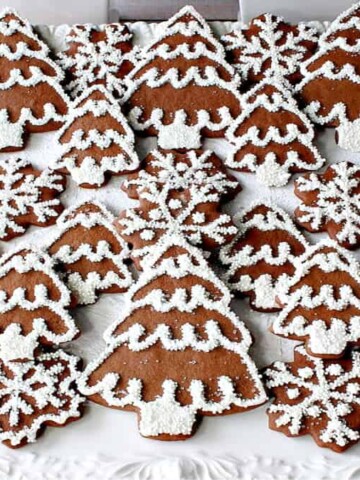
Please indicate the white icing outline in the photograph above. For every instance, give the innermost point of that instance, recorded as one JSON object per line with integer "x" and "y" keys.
{"x": 165, "y": 414}
{"x": 265, "y": 288}
{"x": 271, "y": 172}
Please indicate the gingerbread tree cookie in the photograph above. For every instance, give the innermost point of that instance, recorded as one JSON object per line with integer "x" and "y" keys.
{"x": 33, "y": 296}
{"x": 331, "y": 203}
{"x": 36, "y": 389}
{"x": 330, "y": 90}
{"x": 316, "y": 397}
{"x": 261, "y": 258}
{"x": 179, "y": 193}
{"x": 178, "y": 352}
{"x": 183, "y": 87}
{"x": 91, "y": 252}
{"x": 27, "y": 197}
{"x": 97, "y": 55}
{"x": 272, "y": 137}
{"x": 270, "y": 46}
{"x": 97, "y": 140}
{"x": 322, "y": 302}
{"x": 31, "y": 96}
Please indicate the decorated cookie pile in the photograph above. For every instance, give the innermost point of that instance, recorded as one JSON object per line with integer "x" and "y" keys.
{"x": 176, "y": 351}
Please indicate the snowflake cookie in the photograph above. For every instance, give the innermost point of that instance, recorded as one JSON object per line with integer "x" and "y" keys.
{"x": 322, "y": 301}
{"x": 32, "y": 295}
{"x": 97, "y": 55}
{"x": 331, "y": 202}
{"x": 272, "y": 137}
{"x": 261, "y": 259}
{"x": 97, "y": 140}
{"x": 179, "y": 193}
{"x": 178, "y": 352}
{"x": 330, "y": 90}
{"x": 31, "y": 96}
{"x": 270, "y": 46}
{"x": 27, "y": 197}
{"x": 316, "y": 397}
{"x": 36, "y": 389}
{"x": 182, "y": 87}
{"x": 90, "y": 252}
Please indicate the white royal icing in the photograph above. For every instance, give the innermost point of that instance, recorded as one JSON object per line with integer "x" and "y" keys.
{"x": 331, "y": 41}
{"x": 322, "y": 339}
{"x": 180, "y": 134}
{"x": 11, "y": 133}
{"x": 271, "y": 50}
{"x": 14, "y": 345}
{"x": 95, "y": 61}
{"x": 337, "y": 201}
{"x": 24, "y": 261}
{"x": 165, "y": 414}
{"x": 266, "y": 287}
{"x": 21, "y": 381}
{"x": 21, "y": 194}
{"x": 272, "y": 172}
{"x": 203, "y": 187}
{"x": 332, "y": 393}
{"x": 91, "y": 171}
{"x": 94, "y": 250}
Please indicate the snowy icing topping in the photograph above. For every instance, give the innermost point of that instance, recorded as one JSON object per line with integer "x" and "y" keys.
{"x": 270, "y": 169}
{"x": 183, "y": 132}
{"x": 93, "y": 249}
{"x": 263, "y": 287}
{"x": 80, "y": 156}
{"x": 334, "y": 197}
{"x": 36, "y": 392}
{"x": 270, "y": 46}
{"x": 322, "y": 389}
{"x": 300, "y": 318}
{"x": 202, "y": 186}
{"x": 165, "y": 414}
{"x": 22, "y": 197}
{"x": 11, "y": 133}
{"x": 92, "y": 61}
{"x": 24, "y": 261}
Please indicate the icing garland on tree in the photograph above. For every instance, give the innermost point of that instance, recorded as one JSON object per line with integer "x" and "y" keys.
{"x": 183, "y": 87}
{"x": 325, "y": 314}
{"x": 32, "y": 295}
{"x": 172, "y": 369}
{"x": 272, "y": 137}
{"x": 331, "y": 84}
{"x": 27, "y": 197}
{"x": 261, "y": 259}
{"x": 331, "y": 203}
{"x": 97, "y": 140}
{"x": 315, "y": 396}
{"x": 179, "y": 193}
{"x": 270, "y": 46}
{"x": 31, "y": 96}
{"x": 91, "y": 252}
{"x": 97, "y": 55}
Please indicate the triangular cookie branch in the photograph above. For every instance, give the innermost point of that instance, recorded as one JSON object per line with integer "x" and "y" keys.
{"x": 91, "y": 253}
{"x": 33, "y": 296}
{"x": 261, "y": 259}
{"x": 179, "y": 193}
{"x": 31, "y": 97}
{"x": 97, "y": 140}
{"x": 325, "y": 313}
{"x": 178, "y": 351}
{"x": 272, "y": 137}
{"x": 270, "y": 46}
{"x": 183, "y": 87}
{"x": 97, "y": 55}
{"x": 331, "y": 85}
